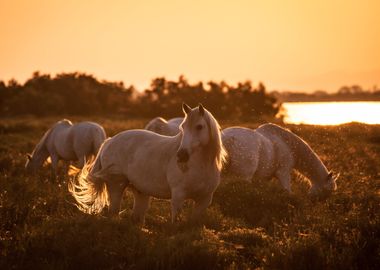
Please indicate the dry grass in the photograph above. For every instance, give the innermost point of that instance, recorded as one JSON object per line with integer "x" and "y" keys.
{"x": 248, "y": 225}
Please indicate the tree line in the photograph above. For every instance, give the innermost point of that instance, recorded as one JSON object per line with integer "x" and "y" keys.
{"x": 344, "y": 93}
{"x": 83, "y": 94}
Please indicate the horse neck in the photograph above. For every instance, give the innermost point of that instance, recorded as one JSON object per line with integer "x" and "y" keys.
{"x": 309, "y": 164}
{"x": 214, "y": 152}
{"x": 207, "y": 156}
{"x": 175, "y": 141}
{"x": 41, "y": 155}
{"x": 40, "y": 151}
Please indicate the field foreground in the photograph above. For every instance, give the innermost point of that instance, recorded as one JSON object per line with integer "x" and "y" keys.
{"x": 248, "y": 225}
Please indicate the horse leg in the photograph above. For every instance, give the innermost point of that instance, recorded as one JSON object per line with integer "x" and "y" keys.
{"x": 81, "y": 156}
{"x": 140, "y": 205}
{"x": 54, "y": 165}
{"x": 176, "y": 204}
{"x": 115, "y": 188}
{"x": 200, "y": 206}
{"x": 249, "y": 171}
{"x": 82, "y": 161}
{"x": 284, "y": 176}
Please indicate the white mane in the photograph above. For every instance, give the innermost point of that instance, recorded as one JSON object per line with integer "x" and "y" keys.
{"x": 216, "y": 147}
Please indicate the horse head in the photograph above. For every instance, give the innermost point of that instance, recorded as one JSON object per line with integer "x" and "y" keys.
{"x": 35, "y": 160}
{"x": 327, "y": 187}
{"x": 31, "y": 163}
{"x": 330, "y": 184}
{"x": 200, "y": 131}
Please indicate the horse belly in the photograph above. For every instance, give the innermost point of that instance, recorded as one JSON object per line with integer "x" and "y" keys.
{"x": 65, "y": 150}
{"x": 148, "y": 180}
{"x": 241, "y": 157}
{"x": 142, "y": 157}
{"x": 267, "y": 162}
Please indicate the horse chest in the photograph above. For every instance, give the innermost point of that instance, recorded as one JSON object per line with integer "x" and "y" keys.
{"x": 198, "y": 185}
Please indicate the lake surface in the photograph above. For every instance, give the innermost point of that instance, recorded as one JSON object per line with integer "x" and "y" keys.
{"x": 332, "y": 113}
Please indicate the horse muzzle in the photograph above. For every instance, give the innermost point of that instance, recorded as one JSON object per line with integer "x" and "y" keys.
{"x": 183, "y": 156}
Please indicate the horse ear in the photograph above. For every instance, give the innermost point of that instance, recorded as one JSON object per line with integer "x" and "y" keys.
{"x": 29, "y": 156}
{"x": 333, "y": 176}
{"x": 185, "y": 108}
{"x": 201, "y": 109}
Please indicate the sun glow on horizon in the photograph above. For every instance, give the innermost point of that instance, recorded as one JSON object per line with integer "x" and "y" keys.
{"x": 332, "y": 113}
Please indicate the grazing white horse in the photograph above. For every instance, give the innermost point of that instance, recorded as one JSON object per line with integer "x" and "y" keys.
{"x": 163, "y": 127}
{"x": 68, "y": 142}
{"x": 185, "y": 166}
{"x": 272, "y": 151}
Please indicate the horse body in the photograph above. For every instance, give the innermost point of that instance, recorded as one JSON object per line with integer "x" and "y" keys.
{"x": 250, "y": 153}
{"x": 155, "y": 165}
{"x": 68, "y": 142}
{"x": 174, "y": 123}
{"x": 300, "y": 156}
{"x": 147, "y": 175}
{"x": 59, "y": 143}
{"x": 271, "y": 151}
{"x": 163, "y": 127}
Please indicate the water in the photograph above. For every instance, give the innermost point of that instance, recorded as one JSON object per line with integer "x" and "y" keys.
{"x": 332, "y": 113}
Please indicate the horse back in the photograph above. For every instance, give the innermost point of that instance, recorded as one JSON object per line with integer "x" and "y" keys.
{"x": 87, "y": 137}
{"x": 304, "y": 158}
{"x": 250, "y": 154}
{"x": 59, "y": 141}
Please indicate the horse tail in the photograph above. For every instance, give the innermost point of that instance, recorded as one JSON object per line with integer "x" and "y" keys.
{"x": 90, "y": 190}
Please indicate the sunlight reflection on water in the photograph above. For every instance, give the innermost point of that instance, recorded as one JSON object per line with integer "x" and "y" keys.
{"x": 332, "y": 113}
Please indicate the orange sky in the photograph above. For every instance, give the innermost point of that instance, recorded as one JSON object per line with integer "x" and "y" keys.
{"x": 289, "y": 45}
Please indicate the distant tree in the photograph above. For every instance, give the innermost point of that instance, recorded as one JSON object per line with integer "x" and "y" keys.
{"x": 82, "y": 94}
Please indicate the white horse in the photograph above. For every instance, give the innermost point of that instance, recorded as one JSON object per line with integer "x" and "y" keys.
{"x": 68, "y": 142}
{"x": 163, "y": 127}
{"x": 185, "y": 166}
{"x": 272, "y": 151}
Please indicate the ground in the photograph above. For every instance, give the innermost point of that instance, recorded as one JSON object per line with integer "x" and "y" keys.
{"x": 248, "y": 225}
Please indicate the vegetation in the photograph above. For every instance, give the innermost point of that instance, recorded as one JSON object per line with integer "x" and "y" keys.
{"x": 81, "y": 94}
{"x": 248, "y": 225}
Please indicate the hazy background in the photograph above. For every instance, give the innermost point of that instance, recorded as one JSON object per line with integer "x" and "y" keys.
{"x": 289, "y": 45}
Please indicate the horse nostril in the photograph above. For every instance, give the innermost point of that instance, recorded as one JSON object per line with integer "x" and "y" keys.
{"x": 182, "y": 155}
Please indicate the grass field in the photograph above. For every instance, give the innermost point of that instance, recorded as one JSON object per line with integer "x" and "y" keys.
{"x": 248, "y": 225}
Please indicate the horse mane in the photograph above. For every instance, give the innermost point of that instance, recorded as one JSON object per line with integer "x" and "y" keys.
{"x": 217, "y": 149}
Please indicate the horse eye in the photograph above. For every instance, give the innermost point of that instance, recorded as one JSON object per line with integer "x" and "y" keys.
{"x": 199, "y": 127}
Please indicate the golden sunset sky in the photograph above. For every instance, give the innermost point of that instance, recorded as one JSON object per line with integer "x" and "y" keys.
{"x": 289, "y": 45}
